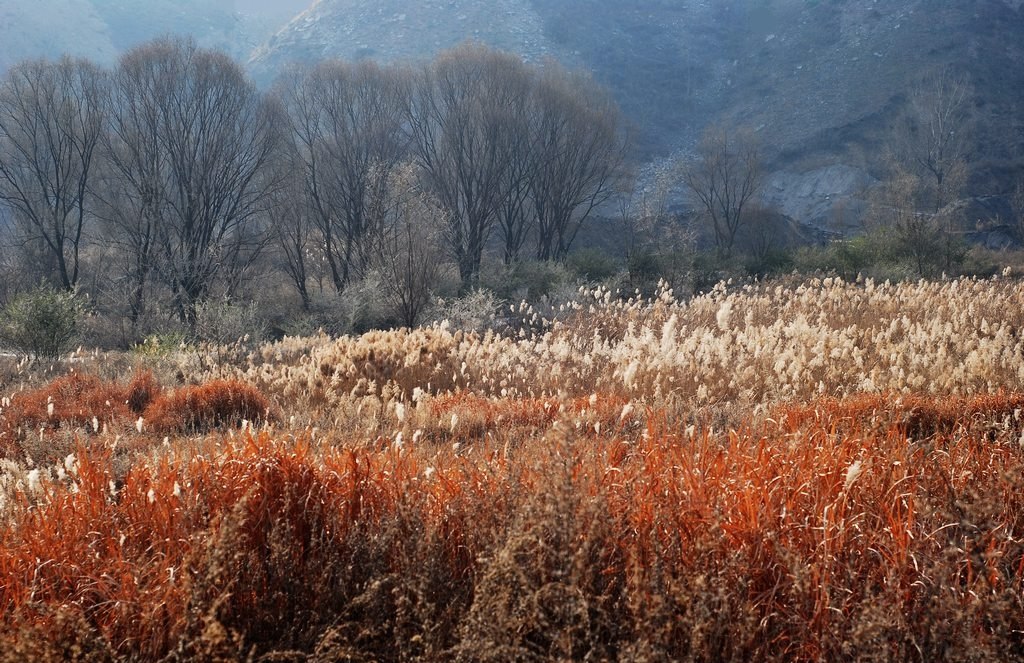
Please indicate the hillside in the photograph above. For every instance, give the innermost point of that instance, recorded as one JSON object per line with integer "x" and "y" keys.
{"x": 398, "y": 29}
{"x": 820, "y": 80}
{"x": 103, "y": 29}
{"x": 27, "y": 32}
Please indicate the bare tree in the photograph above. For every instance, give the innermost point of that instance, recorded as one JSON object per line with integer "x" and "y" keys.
{"x": 134, "y": 187}
{"x": 927, "y": 162}
{"x": 293, "y": 228}
{"x": 410, "y": 257}
{"x": 51, "y": 120}
{"x": 515, "y": 215}
{"x": 934, "y": 137}
{"x": 918, "y": 236}
{"x": 461, "y": 119}
{"x": 347, "y": 129}
{"x": 643, "y": 213}
{"x": 725, "y": 177}
{"x": 580, "y": 155}
{"x": 190, "y": 144}
{"x": 1017, "y": 205}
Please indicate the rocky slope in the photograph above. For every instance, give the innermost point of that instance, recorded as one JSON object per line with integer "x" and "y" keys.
{"x": 399, "y": 29}
{"x": 820, "y": 80}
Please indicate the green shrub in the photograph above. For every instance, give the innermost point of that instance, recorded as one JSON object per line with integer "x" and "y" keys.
{"x": 592, "y": 265}
{"x": 528, "y": 280}
{"x": 770, "y": 263}
{"x": 160, "y": 346}
{"x": 41, "y": 323}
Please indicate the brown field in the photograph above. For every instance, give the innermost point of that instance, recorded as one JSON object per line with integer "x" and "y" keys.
{"x": 814, "y": 472}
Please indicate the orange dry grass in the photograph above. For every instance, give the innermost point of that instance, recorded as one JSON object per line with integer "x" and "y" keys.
{"x": 83, "y": 404}
{"x": 918, "y": 416}
{"x": 824, "y": 536}
{"x": 465, "y": 417}
{"x": 207, "y": 406}
{"x": 73, "y": 402}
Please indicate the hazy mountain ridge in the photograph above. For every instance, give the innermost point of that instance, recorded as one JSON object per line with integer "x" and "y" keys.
{"x": 798, "y": 70}
{"x": 397, "y": 29}
{"x": 50, "y": 28}
{"x": 103, "y": 29}
{"x": 820, "y": 80}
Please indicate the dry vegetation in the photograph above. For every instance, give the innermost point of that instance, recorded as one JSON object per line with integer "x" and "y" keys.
{"x": 826, "y": 471}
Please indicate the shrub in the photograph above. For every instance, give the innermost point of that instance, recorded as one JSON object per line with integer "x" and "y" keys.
{"x": 141, "y": 391}
{"x": 159, "y": 346}
{"x": 224, "y": 322}
{"x": 75, "y": 402}
{"x": 475, "y": 311}
{"x": 200, "y": 408}
{"x": 592, "y": 265}
{"x": 534, "y": 280}
{"x": 42, "y": 323}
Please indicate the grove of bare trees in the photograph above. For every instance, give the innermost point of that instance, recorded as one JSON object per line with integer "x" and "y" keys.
{"x": 928, "y": 163}
{"x": 172, "y": 179}
{"x": 530, "y": 151}
{"x": 188, "y": 150}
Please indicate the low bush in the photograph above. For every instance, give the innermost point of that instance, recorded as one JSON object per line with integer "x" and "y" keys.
{"x": 592, "y": 265}
{"x": 41, "y": 323}
{"x": 222, "y": 322}
{"x": 474, "y": 311}
{"x": 84, "y": 405}
{"x": 200, "y": 408}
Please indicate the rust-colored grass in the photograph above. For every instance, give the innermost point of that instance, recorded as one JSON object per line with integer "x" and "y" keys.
{"x": 82, "y": 405}
{"x": 207, "y": 406}
{"x": 822, "y": 533}
{"x": 827, "y": 472}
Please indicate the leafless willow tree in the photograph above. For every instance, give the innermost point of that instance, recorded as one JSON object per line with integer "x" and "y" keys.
{"x": 462, "y": 117}
{"x": 927, "y": 163}
{"x": 293, "y": 228}
{"x": 917, "y": 236}
{"x": 1017, "y": 210}
{"x": 724, "y": 178}
{"x": 516, "y": 220}
{"x": 51, "y": 120}
{"x": 580, "y": 154}
{"x": 133, "y": 191}
{"x": 934, "y": 137}
{"x": 347, "y": 126}
{"x": 190, "y": 141}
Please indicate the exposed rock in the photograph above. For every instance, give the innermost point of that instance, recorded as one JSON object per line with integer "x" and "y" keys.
{"x": 399, "y": 30}
{"x": 833, "y": 196}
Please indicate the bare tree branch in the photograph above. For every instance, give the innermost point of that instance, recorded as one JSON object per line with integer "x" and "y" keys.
{"x": 724, "y": 179}
{"x": 51, "y": 120}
